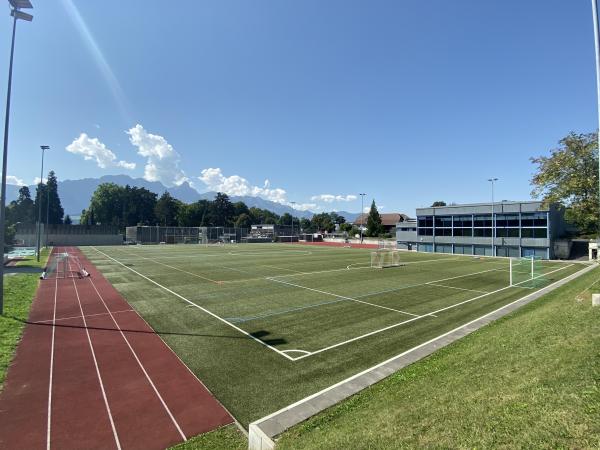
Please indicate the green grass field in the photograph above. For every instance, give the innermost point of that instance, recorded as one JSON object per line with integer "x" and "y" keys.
{"x": 266, "y": 325}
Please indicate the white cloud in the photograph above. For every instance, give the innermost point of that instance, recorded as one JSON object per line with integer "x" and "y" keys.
{"x": 36, "y": 180}
{"x": 330, "y": 198}
{"x": 162, "y": 163}
{"x": 305, "y": 206}
{"x": 10, "y": 179}
{"x": 214, "y": 180}
{"x": 93, "y": 149}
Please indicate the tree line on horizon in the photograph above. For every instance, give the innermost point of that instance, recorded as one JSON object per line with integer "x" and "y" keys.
{"x": 124, "y": 206}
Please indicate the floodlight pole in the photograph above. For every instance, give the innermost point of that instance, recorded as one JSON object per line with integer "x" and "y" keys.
{"x": 292, "y": 238}
{"x": 597, "y": 48}
{"x": 16, "y": 14}
{"x": 39, "y": 199}
{"x": 362, "y": 218}
{"x": 493, "y": 180}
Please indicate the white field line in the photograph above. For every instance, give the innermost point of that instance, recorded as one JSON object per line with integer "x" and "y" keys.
{"x": 370, "y": 294}
{"x": 281, "y": 268}
{"x": 402, "y": 263}
{"x": 197, "y": 306}
{"x": 383, "y": 363}
{"x": 417, "y": 318}
{"x": 49, "y": 424}
{"x": 87, "y": 331}
{"x": 341, "y": 296}
{"x": 164, "y": 404}
{"x": 78, "y": 317}
{"x": 454, "y": 287}
{"x": 180, "y": 270}
{"x": 277, "y": 252}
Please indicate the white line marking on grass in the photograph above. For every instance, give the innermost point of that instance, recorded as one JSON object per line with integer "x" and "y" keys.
{"x": 87, "y": 331}
{"x": 296, "y": 351}
{"x": 454, "y": 287}
{"x": 369, "y": 294}
{"x": 51, "y": 367}
{"x": 181, "y": 433}
{"x": 197, "y": 306}
{"x": 416, "y": 318}
{"x": 181, "y": 270}
{"x": 341, "y": 296}
{"x": 301, "y": 252}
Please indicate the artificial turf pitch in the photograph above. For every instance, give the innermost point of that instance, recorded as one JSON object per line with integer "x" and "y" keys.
{"x": 264, "y": 325}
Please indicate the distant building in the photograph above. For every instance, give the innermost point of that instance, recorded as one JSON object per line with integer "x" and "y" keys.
{"x": 518, "y": 228}
{"x": 388, "y": 221}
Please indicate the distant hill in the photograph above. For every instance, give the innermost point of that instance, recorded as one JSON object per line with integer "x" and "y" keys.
{"x": 75, "y": 195}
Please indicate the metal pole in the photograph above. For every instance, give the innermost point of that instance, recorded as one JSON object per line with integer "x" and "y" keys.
{"x": 597, "y": 48}
{"x": 39, "y": 199}
{"x": 4, "y": 160}
{"x": 47, "y": 214}
{"x": 493, "y": 180}
{"x": 292, "y": 238}
{"x": 362, "y": 218}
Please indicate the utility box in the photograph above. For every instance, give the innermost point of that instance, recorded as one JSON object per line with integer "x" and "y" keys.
{"x": 595, "y": 299}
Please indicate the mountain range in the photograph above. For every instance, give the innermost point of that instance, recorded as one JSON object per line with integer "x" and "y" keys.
{"x": 75, "y": 195}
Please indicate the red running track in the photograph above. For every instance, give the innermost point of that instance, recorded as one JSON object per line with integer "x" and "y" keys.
{"x": 91, "y": 373}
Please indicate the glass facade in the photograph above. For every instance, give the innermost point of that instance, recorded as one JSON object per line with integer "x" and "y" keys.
{"x": 510, "y": 228}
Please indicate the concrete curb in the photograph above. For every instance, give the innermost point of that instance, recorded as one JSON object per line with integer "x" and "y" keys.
{"x": 262, "y": 432}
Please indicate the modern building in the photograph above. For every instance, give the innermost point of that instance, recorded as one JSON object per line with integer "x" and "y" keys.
{"x": 389, "y": 221}
{"x": 515, "y": 229}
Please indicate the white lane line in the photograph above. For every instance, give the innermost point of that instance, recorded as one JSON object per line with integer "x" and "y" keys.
{"x": 87, "y": 331}
{"x": 419, "y": 317}
{"x": 197, "y": 306}
{"x": 78, "y": 317}
{"x": 49, "y": 426}
{"x": 454, "y": 287}
{"x": 140, "y": 363}
{"x": 341, "y": 296}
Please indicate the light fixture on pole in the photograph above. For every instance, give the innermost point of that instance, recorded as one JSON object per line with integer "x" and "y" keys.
{"x": 493, "y": 180}
{"x": 15, "y": 12}
{"x": 38, "y": 197}
{"x": 362, "y": 217}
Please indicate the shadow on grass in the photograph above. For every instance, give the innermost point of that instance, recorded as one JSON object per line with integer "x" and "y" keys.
{"x": 258, "y": 334}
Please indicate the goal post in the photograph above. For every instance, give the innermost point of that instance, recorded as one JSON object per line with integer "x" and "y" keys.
{"x": 525, "y": 271}
{"x": 63, "y": 265}
{"x": 383, "y": 258}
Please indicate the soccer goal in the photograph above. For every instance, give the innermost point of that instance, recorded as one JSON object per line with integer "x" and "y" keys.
{"x": 526, "y": 271}
{"x": 383, "y": 258}
{"x": 64, "y": 265}
{"x": 386, "y": 245}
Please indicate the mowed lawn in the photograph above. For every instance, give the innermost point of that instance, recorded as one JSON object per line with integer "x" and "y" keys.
{"x": 266, "y": 325}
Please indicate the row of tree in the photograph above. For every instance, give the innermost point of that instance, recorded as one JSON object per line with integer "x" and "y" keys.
{"x": 123, "y": 206}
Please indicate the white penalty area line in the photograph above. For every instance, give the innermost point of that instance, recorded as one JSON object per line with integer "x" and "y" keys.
{"x": 420, "y": 317}
{"x": 197, "y": 306}
{"x": 343, "y": 297}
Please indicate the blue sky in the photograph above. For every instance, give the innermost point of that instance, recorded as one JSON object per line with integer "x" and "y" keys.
{"x": 406, "y": 101}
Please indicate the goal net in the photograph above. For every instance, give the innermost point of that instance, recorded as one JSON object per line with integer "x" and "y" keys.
{"x": 385, "y": 258}
{"x": 526, "y": 271}
{"x": 63, "y": 265}
{"x": 386, "y": 245}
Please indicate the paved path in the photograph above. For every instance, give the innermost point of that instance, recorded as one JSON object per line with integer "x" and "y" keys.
{"x": 91, "y": 373}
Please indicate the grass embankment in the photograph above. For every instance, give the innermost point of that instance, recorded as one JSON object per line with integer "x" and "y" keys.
{"x": 530, "y": 380}
{"x": 19, "y": 291}
{"x": 228, "y": 437}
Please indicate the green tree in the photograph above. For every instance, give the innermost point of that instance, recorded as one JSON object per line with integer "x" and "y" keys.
{"x": 68, "y": 220}
{"x": 569, "y": 176}
{"x": 195, "y": 214}
{"x": 166, "y": 209}
{"x": 374, "y": 227}
{"x": 438, "y": 203}
{"x": 322, "y": 222}
{"x": 306, "y": 226}
{"x": 243, "y": 221}
{"x": 221, "y": 211}
{"x": 48, "y": 192}
{"x": 22, "y": 209}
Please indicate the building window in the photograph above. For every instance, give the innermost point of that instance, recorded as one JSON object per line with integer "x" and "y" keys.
{"x": 482, "y": 232}
{"x": 483, "y": 220}
{"x": 425, "y": 221}
{"x": 425, "y": 232}
{"x": 538, "y": 233}
{"x": 538, "y": 219}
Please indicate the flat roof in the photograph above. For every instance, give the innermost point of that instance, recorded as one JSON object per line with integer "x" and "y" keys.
{"x": 502, "y": 202}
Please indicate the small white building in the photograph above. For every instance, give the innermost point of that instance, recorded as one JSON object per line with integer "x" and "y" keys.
{"x": 593, "y": 250}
